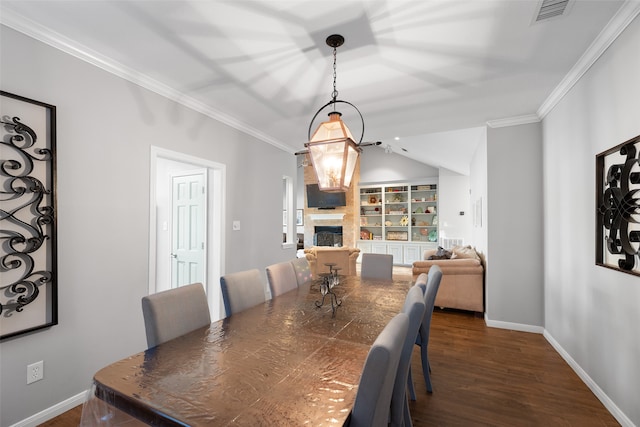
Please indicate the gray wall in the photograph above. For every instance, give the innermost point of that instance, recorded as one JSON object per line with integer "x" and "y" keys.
{"x": 377, "y": 166}
{"x": 478, "y": 190}
{"x": 592, "y": 312}
{"x": 514, "y": 288}
{"x": 106, "y": 126}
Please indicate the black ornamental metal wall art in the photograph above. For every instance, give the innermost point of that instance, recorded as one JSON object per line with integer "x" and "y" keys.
{"x": 618, "y": 207}
{"x": 28, "y": 284}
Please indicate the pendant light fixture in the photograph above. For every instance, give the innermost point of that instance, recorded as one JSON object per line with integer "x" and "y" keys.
{"x": 332, "y": 149}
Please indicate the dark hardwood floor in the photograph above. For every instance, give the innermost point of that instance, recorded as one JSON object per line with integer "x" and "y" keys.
{"x": 487, "y": 377}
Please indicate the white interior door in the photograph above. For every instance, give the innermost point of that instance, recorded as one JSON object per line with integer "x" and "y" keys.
{"x": 188, "y": 227}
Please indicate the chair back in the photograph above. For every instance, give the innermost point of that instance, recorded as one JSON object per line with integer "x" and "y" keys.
{"x": 433, "y": 283}
{"x": 242, "y": 290}
{"x": 303, "y": 270}
{"x": 414, "y": 308}
{"x": 421, "y": 281}
{"x": 175, "y": 312}
{"x": 373, "y": 400}
{"x": 281, "y": 278}
{"x": 377, "y": 266}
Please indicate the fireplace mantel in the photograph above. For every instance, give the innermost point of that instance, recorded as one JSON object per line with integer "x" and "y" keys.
{"x": 327, "y": 217}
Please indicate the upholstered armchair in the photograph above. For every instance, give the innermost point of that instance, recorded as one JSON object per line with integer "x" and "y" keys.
{"x": 344, "y": 258}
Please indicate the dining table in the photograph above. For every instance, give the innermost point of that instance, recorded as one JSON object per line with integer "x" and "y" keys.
{"x": 283, "y": 362}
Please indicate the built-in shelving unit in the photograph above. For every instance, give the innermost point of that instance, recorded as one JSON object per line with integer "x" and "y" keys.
{"x": 399, "y": 219}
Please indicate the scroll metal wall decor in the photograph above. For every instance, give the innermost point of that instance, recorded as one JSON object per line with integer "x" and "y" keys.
{"x": 28, "y": 262}
{"x": 618, "y": 207}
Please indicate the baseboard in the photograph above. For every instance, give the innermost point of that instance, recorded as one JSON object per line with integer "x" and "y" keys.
{"x": 53, "y": 411}
{"x": 513, "y": 326}
{"x": 600, "y": 394}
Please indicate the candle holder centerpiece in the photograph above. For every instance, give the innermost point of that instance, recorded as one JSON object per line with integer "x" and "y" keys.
{"x": 328, "y": 281}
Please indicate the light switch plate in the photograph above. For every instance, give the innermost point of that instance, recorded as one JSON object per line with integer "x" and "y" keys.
{"x": 236, "y": 225}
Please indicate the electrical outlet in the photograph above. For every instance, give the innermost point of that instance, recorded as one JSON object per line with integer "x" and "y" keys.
{"x": 35, "y": 372}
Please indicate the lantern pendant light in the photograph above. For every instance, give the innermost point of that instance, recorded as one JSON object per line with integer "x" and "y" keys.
{"x": 332, "y": 149}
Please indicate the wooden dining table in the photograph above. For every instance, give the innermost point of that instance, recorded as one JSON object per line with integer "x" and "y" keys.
{"x": 284, "y": 362}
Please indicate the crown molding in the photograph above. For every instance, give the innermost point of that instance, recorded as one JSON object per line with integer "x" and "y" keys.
{"x": 625, "y": 15}
{"x": 78, "y": 50}
{"x": 513, "y": 121}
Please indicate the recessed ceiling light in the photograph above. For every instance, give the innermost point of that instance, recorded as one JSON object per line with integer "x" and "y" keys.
{"x": 397, "y": 138}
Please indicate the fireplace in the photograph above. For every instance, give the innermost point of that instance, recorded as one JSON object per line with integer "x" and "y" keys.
{"x": 327, "y": 235}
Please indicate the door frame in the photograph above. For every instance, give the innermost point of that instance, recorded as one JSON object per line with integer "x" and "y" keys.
{"x": 215, "y": 208}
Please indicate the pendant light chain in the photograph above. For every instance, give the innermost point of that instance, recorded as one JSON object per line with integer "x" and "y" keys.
{"x": 334, "y": 94}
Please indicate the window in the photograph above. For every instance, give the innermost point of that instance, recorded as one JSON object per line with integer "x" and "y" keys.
{"x": 288, "y": 213}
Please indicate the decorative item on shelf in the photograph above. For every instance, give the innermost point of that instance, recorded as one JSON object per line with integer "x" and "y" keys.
{"x": 332, "y": 149}
{"x": 361, "y": 211}
{"x": 419, "y": 210}
{"x": 404, "y": 221}
{"x": 388, "y": 223}
{"x": 424, "y": 231}
{"x": 373, "y": 200}
{"x": 397, "y": 235}
{"x": 434, "y": 221}
{"x": 363, "y": 220}
{"x": 365, "y": 234}
{"x": 433, "y": 235}
{"x": 413, "y": 221}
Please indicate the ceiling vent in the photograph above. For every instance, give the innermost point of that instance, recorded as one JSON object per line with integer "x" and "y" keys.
{"x": 548, "y": 9}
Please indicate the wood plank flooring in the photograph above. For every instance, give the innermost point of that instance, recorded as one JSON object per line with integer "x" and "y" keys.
{"x": 486, "y": 377}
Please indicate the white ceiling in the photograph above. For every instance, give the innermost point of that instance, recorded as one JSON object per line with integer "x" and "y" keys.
{"x": 430, "y": 72}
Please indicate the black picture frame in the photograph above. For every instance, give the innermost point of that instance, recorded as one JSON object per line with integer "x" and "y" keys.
{"x": 618, "y": 207}
{"x": 28, "y": 232}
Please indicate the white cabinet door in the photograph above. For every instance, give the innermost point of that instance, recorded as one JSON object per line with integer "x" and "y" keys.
{"x": 426, "y": 246}
{"x": 379, "y": 248}
{"x": 365, "y": 248}
{"x": 395, "y": 249}
{"x": 412, "y": 253}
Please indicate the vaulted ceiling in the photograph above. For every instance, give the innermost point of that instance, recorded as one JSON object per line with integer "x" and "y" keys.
{"x": 426, "y": 75}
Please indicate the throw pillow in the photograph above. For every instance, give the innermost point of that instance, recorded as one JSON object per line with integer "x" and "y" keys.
{"x": 463, "y": 252}
{"x": 441, "y": 253}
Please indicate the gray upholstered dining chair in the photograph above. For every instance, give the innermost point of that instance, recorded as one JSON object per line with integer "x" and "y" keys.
{"x": 303, "y": 270}
{"x": 414, "y": 308}
{"x": 377, "y": 266}
{"x": 242, "y": 290}
{"x": 169, "y": 314}
{"x": 373, "y": 400}
{"x": 281, "y": 278}
{"x": 422, "y": 281}
{"x": 433, "y": 283}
